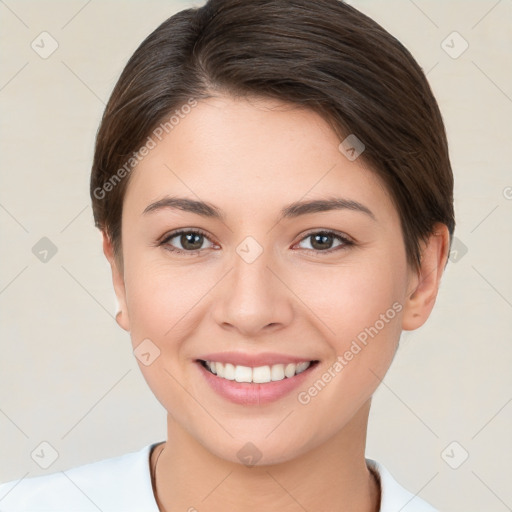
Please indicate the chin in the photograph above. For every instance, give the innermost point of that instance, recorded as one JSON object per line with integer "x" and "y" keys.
{"x": 257, "y": 450}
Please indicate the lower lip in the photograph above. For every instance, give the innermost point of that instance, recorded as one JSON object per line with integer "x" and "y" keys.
{"x": 248, "y": 393}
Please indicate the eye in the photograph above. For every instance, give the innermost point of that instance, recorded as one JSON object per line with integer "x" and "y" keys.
{"x": 322, "y": 241}
{"x": 190, "y": 241}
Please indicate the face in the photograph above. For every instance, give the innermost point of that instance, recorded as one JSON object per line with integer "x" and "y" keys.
{"x": 254, "y": 278}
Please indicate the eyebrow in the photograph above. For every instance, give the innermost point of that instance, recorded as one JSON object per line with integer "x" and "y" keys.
{"x": 291, "y": 211}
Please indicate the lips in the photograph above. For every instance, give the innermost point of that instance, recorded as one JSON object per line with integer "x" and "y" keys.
{"x": 255, "y": 379}
{"x": 250, "y": 385}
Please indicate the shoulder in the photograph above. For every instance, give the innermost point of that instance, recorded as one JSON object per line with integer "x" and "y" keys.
{"x": 117, "y": 484}
{"x": 395, "y": 497}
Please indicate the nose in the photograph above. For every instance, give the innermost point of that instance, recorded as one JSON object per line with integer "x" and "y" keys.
{"x": 253, "y": 298}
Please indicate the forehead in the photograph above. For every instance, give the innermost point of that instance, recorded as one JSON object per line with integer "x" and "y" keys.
{"x": 251, "y": 155}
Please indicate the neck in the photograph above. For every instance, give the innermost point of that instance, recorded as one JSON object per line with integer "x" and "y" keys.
{"x": 332, "y": 476}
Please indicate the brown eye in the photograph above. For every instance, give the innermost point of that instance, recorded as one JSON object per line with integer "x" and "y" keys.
{"x": 322, "y": 241}
{"x": 185, "y": 241}
{"x": 191, "y": 241}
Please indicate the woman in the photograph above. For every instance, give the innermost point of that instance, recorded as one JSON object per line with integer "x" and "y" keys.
{"x": 273, "y": 186}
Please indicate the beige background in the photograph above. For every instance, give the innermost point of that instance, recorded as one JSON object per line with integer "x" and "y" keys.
{"x": 68, "y": 376}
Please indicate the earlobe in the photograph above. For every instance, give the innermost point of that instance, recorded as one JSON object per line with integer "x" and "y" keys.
{"x": 122, "y": 317}
{"x": 424, "y": 285}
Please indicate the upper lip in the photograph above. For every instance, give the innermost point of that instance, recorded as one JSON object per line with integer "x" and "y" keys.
{"x": 253, "y": 360}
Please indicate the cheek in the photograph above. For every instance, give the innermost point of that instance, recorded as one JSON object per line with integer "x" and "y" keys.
{"x": 357, "y": 309}
{"x": 159, "y": 299}
{"x": 348, "y": 299}
{"x": 360, "y": 309}
{"x": 163, "y": 305}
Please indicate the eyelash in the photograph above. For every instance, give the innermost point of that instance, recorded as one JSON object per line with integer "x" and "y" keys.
{"x": 345, "y": 240}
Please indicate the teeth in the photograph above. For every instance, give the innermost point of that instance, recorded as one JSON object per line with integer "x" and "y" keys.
{"x": 258, "y": 375}
{"x": 277, "y": 372}
{"x": 289, "y": 370}
{"x": 229, "y": 371}
{"x": 301, "y": 367}
{"x": 261, "y": 374}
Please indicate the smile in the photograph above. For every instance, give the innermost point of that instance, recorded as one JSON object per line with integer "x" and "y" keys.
{"x": 256, "y": 375}
{"x": 255, "y": 379}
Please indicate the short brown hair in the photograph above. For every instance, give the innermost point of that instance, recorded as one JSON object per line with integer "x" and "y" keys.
{"x": 323, "y": 55}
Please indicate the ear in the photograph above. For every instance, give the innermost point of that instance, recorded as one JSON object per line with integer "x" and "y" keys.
{"x": 424, "y": 285}
{"x": 118, "y": 280}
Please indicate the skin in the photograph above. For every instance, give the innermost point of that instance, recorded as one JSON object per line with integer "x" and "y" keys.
{"x": 252, "y": 157}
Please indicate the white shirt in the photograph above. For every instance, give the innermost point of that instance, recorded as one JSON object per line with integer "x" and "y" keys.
{"x": 123, "y": 484}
